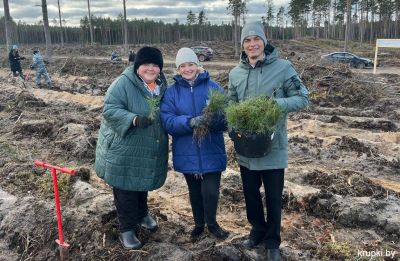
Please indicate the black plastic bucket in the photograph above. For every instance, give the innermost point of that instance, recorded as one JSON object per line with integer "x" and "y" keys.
{"x": 252, "y": 145}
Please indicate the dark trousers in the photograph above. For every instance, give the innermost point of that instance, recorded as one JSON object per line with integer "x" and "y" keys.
{"x": 204, "y": 195}
{"x": 273, "y": 185}
{"x": 131, "y": 208}
{"x": 18, "y": 73}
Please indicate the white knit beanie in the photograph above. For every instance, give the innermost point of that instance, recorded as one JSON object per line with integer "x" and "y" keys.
{"x": 186, "y": 55}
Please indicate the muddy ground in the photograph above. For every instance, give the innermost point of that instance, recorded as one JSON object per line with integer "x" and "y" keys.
{"x": 342, "y": 188}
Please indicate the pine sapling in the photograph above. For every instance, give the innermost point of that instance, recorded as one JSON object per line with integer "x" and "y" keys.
{"x": 218, "y": 101}
{"x": 154, "y": 104}
{"x": 257, "y": 115}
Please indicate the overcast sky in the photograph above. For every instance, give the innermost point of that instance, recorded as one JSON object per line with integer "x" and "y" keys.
{"x": 166, "y": 10}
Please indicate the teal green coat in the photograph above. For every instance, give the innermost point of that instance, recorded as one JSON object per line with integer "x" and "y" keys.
{"x": 271, "y": 77}
{"x": 128, "y": 157}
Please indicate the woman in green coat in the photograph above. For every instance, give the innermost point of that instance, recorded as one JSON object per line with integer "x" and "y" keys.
{"x": 132, "y": 148}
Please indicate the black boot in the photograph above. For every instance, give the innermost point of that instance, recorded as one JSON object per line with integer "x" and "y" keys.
{"x": 254, "y": 239}
{"x": 129, "y": 240}
{"x": 217, "y": 231}
{"x": 273, "y": 255}
{"x": 149, "y": 223}
{"x": 196, "y": 232}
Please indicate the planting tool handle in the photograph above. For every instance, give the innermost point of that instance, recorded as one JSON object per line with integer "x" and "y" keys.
{"x": 48, "y": 166}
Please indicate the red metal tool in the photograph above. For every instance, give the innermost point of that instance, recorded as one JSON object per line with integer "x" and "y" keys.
{"x": 60, "y": 241}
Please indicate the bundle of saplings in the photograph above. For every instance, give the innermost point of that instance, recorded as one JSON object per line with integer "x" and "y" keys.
{"x": 252, "y": 124}
{"x": 217, "y": 102}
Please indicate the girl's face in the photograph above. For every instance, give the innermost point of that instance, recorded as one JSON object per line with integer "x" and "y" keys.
{"x": 188, "y": 71}
{"x": 148, "y": 72}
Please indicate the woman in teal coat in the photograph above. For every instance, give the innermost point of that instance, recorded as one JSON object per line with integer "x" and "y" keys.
{"x": 132, "y": 148}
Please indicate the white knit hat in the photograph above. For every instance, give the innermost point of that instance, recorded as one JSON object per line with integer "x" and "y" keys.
{"x": 186, "y": 55}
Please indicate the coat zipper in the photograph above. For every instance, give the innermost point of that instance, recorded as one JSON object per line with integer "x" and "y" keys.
{"x": 197, "y": 145}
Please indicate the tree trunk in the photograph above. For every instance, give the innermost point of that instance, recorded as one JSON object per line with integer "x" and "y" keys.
{"x": 372, "y": 28}
{"x": 90, "y": 23}
{"x": 348, "y": 25}
{"x": 333, "y": 33}
{"x": 61, "y": 27}
{"x": 396, "y": 23}
{"x": 125, "y": 29}
{"x": 235, "y": 31}
{"x": 361, "y": 23}
{"x": 47, "y": 35}
{"x": 7, "y": 19}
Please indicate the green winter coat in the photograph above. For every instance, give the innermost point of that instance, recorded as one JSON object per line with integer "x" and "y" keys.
{"x": 128, "y": 157}
{"x": 276, "y": 77}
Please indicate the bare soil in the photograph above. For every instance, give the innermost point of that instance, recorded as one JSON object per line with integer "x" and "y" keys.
{"x": 342, "y": 186}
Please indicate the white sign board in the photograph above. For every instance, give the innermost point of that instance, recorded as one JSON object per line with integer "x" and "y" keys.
{"x": 395, "y": 43}
{"x": 388, "y": 43}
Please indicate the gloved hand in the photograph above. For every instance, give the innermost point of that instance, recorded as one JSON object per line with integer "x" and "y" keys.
{"x": 198, "y": 122}
{"x": 142, "y": 121}
{"x": 231, "y": 132}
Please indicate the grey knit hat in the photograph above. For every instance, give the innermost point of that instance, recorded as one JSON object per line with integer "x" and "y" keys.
{"x": 253, "y": 28}
{"x": 186, "y": 55}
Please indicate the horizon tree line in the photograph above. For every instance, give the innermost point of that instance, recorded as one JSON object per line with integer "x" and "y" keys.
{"x": 349, "y": 20}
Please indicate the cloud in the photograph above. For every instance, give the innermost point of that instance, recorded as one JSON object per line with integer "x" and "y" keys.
{"x": 165, "y": 10}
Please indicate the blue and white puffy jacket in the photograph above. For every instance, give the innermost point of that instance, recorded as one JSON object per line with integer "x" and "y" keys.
{"x": 182, "y": 102}
{"x": 37, "y": 62}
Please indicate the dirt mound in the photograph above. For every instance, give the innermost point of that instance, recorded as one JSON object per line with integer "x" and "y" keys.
{"x": 27, "y": 239}
{"x": 77, "y": 142}
{"x": 345, "y": 183}
{"x": 223, "y": 79}
{"x": 334, "y": 85}
{"x": 41, "y": 128}
{"x": 231, "y": 189}
{"x": 353, "y": 144}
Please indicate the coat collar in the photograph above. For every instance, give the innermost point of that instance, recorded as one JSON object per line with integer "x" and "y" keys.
{"x": 202, "y": 77}
{"x": 138, "y": 83}
{"x": 271, "y": 55}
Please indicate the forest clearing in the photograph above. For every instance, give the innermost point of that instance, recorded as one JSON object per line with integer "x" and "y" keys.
{"x": 342, "y": 187}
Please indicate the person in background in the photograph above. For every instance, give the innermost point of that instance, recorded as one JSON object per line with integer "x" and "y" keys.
{"x": 40, "y": 67}
{"x": 15, "y": 62}
{"x": 132, "y": 148}
{"x": 261, "y": 73}
{"x": 114, "y": 56}
{"x": 201, "y": 163}
{"x": 131, "y": 58}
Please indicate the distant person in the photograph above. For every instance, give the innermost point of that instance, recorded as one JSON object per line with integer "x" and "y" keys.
{"x": 131, "y": 58}
{"x": 262, "y": 73}
{"x": 114, "y": 56}
{"x": 15, "y": 62}
{"x": 39, "y": 65}
{"x": 201, "y": 163}
{"x": 132, "y": 148}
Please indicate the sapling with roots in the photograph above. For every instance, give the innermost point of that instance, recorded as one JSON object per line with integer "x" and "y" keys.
{"x": 257, "y": 115}
{"x": 217, "y": 102}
